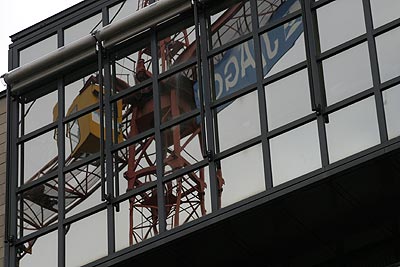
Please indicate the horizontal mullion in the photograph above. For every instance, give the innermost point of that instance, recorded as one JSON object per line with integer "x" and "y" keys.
{"x": 81, "y": 113}
{"x": 132, "y": 140}
{"x": 226, "y": 99}
{"x": 85, "y": 213}
{"x": 320, "y": 3}
{"x": 38, "y": 132}
{"x": 186, "y": 170}
{"x": 130, "y": 90}
{"x": 349, "y": 101}
{"x": 175, "y": 69}
{"x": 240, "y": 147}
{"x": 45, "y": 178}
{"x": 272, "y": 25}
{"x": 390, "y": 83}
{"x": 343, "y": 47}
{"x": 178, "y": 120}
{"x": 292, "y": 125}
{"x": 37, "y": 234}
{"x": 81, "y": 163}
{"x": 387, "y": 27}
{"x": 284, "y": 73}
{"x": 229, "y": 45}
{"x": 134, "y": 192}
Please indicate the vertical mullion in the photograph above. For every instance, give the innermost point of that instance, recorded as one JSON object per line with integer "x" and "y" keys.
{"x": 61, "y": 175}
{"x": 109, "y": 166}
{"x": 315, "y": 74}
{"x": 157, "y": 123}
{"x": 61, "y": 162}
{"x": 375, "y": 70}
{"x": 215, "y": 202}
{"x": 261, "y": 96}
{"x": 12, "y": 180}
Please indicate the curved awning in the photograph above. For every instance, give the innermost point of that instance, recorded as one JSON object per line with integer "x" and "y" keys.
{"x": 85, "y": 48}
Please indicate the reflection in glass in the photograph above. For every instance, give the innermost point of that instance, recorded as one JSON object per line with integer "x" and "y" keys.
{"x": 295, "y": 153}
{"x": 231, "y": 23}
{"x": 86, "y": 240}
{"x": 387, "y": 46}
{"x": 384, "y": 11}
{"x": 123, "y": 9}
{"x": 137, "y": 219}
{"x": 81, "y": 94}
{"x": 347, "y": 73}
{"x": 39, "y": 112}
{"x": 135, "y": 165}
{"x": 82, "y": 188}
{"x": 270, "y": 11}
{"x": 334, "y": 30}
{"x": 241, "y": 175}
{"x": 177, "y": 48}
{"x": 40, "y": 156}
{"x": 82, "y": 28}
{"x": 37, "y": 50}
{"x": 234, "y": 69}
{"x": 82, "y": 137}
{"x": 182, "y": 145}
{"x": 238, "y": 121}
{"x": 132, "y": 69}
{"x": 352, "y": 129}
{"x": 288, "y": 99}
{"x": 38, "y": 207}
{"x": 391, "y": 101}
{"x": 187, "y": 198}
{"x": 179, "y": 94}
{"x": 283, "y": 47}
{"x": 42, "y": 251}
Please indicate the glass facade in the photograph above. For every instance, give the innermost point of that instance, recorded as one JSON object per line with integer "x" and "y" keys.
{"x": 190, "y": 120}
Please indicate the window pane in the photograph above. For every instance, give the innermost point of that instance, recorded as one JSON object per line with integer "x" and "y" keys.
{"x": 40, "y": 156}
{"x": 179, "y": 94}
{"x": 123, "y": 9}
{"x": 238, "y": 121}
{"x": 187, "y": 197}
{"x": 37, "y": 50}
{"x": 387, "y": 46}
{"x": 82, "y": 28}
{"x": 234, "y": 69}
{"x": 82, "y": 188}
{"x": 81, "y": 93}
{"x": 182, "y": 145}
{"x": 340, "y": 21}
{"x": 347, "y": 74}
{"x": 295, "y": 153}
{"x": 135, "y": 165}
{"x": 86, "y": 240}
{"x": 288, "y": 99}
{"x": 39, "y": 112}
{"x": 230, "y": 23}
{"x": 42, "y": 251}
{"x": 38, "y": 207}
{"x": 269, "y": 11}
{"x": 384, "y": 11}
{"x": 131, "y": 68}
{"x": 352, "y": 129}
{"x": 391, "y": 101}
{"x": 137, "y": 219}
{"x": 238, "y": 183}
{"x": 283, "y": 47}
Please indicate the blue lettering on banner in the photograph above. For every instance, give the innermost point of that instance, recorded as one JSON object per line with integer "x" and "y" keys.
{"x": 237, "y": 68}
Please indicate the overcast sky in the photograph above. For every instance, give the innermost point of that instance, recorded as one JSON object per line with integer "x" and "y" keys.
{"x": 20, "y": 14}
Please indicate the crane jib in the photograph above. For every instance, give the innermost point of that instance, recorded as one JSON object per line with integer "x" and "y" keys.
{"x": 237, "y": 68}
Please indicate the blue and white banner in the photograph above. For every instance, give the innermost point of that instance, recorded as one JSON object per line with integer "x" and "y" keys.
{"x": 237, "y": 68}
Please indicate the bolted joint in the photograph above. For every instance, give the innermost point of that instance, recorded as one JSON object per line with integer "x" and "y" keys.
{"x": 210, "y": 155}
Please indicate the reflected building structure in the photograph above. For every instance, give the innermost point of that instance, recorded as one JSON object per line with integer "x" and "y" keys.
{"x": 197, "y": 132}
